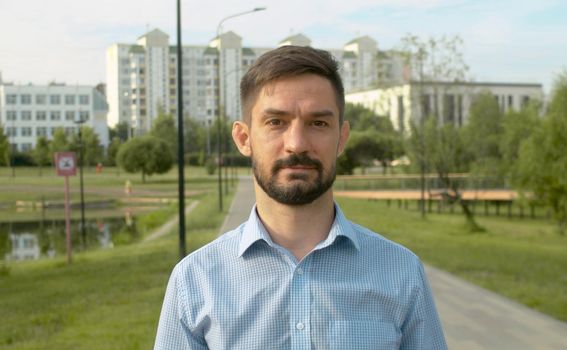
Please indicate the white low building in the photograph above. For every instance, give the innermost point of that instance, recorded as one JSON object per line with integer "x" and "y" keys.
{"x": 30, "y": 111}
{"x": 449, "y": 101}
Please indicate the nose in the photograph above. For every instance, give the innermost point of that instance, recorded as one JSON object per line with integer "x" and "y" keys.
{"x": 296, "y": 138}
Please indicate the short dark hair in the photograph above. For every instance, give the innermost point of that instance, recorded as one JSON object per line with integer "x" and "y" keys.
{"x": 288, "y": 61}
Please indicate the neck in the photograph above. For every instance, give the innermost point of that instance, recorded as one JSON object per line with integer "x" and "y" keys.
{"x": 296, "y": 228}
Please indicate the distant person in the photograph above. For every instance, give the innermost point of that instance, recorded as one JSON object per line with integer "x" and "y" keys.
{"x": 297, "y": 274}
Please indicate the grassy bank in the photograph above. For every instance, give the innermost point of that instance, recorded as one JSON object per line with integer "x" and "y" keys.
{"x": 525, "y": 260}
{"x": 107, "y": 299}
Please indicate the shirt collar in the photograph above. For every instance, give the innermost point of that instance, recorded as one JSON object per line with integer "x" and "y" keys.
{"x": 254, "y": 231}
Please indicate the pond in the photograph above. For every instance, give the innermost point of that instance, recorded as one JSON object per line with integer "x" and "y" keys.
{"x": 31, "y": 240}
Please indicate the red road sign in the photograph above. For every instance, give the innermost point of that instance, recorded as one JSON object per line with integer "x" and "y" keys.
{"x": 66, "y": 163}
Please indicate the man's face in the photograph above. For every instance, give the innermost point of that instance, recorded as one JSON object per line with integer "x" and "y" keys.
{"x": 295, "y": 138}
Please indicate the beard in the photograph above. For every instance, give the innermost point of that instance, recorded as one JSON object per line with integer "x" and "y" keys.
{"x": 300, "y": 190}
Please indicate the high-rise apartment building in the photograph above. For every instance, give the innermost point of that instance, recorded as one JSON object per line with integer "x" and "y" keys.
{"x": 30, "y": 111}
{"x": 142, "y": 77}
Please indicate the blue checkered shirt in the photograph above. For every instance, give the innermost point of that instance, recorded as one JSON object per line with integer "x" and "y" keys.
{"x": 355, "y": 290}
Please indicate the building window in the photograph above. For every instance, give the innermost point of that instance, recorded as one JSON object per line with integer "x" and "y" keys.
{"x": 26, "y": 147}
{"x": 11, "y": 131}
{"x": 84, "y": 115}
{"x": 525, "y": 101}
{"x": 52, "y": 131}
{"x": 40, "y": 99}
{"x": 11, "y": 115}
{"x": 70, "y": 115}
{"x": 26, "y": 115}
{"x": 40, "y": 115}
{"x": 69, "y": 131}
{"x": 84, "y": 99}
{"x": 54, "y": 99}
{"x": 449, "y": 108}
{"x": 25, "y": 99}
{"x": 26, "y": 131}
{"x": 41, "y": 131}
{"x": 11, "y": 99}
{"x": 55, "y": 115}
{"x": 69, "y": 99}
{"x": 460, "y": 110}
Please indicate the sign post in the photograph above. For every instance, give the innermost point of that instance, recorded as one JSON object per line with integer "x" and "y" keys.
{"x": 66, "y": 165}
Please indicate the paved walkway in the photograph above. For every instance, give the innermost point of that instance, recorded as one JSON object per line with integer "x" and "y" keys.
{"x": 473, "y": 318}
{"x": 169, "y": 225}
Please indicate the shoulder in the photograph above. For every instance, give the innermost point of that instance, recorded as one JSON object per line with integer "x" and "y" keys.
{"x": 383, "y": 251}
{"x": 216, "y": 253}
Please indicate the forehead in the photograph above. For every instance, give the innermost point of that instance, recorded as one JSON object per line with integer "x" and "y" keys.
{"x": 307, "y": 91}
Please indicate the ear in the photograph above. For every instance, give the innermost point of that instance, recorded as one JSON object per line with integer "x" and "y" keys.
{"x": 241, "y": 137}
{"x": 343, "y": 137}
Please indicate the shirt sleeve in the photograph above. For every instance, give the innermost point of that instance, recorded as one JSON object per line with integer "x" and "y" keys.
{"x": 173, "y": 331}
{"x": 422, "y": 328}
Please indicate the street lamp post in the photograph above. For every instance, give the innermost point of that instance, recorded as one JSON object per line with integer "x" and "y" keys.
{"x": 80, "y": 123}
{"x": 220, "y": 109}
{"x": 180, "y": 142}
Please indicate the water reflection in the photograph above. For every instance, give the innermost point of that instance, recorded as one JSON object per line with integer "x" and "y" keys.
{"x": 46, "y": 238}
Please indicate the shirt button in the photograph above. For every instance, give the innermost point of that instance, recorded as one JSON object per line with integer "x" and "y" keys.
{"x": 300, "y": 326}
{"x": 299, "y": 271}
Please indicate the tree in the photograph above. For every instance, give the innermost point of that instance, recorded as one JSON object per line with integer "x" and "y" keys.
{"x": 92, "y": 149}
{"x": 517, "y": 127}
{"x": 195, "y": 137}
{"x": 59, "y": 143}
{"x": 165, "y": 129}
{"x": 373, "y": 138}
{"x": 4, "y": 148}
{"x": 112, "y": 151}
{"x": 121, "y": 131}
{"x": 41, "y": 153}
{"x": 432, "y": 60}
{"x": 146, "y": 154}
{"x": 445, "y": 153}
{"x": 483, "y": 133}
{"x": 365, "y": 147}
{"x": 542, "y": 163}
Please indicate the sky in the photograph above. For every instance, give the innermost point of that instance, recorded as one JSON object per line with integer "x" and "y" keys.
{"x": 66, "y": 40}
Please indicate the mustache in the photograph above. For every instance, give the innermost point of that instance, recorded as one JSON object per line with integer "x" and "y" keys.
{"x": 294, "y": 160}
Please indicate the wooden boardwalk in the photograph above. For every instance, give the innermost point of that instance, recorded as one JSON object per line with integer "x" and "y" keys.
{"x": 481, "y": 195}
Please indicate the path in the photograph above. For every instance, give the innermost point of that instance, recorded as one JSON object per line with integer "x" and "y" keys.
{"x": 473, "y": 318}
{"x": 169, "y": 225}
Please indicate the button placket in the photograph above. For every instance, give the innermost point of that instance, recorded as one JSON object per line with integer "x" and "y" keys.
{"x": 300, "y": 307}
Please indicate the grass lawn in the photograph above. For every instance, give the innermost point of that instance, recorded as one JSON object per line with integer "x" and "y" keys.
{"x": 107, "y": 299}
{"x": 525, "y": 260}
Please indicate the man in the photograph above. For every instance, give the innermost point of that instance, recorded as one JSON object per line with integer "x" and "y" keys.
{"x": 297, "y": 274}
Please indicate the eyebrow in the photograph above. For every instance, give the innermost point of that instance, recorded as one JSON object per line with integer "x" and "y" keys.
{"x": 316, "y": 114}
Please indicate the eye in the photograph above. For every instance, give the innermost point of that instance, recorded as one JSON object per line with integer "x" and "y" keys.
{"x": 320, "y": 123}
{"x": 274, "y": 122}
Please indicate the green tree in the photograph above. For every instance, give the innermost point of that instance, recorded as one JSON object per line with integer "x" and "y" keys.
{"x": 92, "y": 149}
{"x": 517, "y": 127}
{"x": 483, "y": 133}
{"x": 431, "y": 61}
{"x": 373, "y": 138}
{"x": 445, "y": 153}
{"x": 59, "y": 143}
{"x": 121, "y": 131}
{"x": 146, "y": 154}
{"x": 542, "y": 163}
{"x": 366, "y": 147}
{"x": 41, "y": 153}
{"x": 195, "y": 137}
{"x": 165, "y": 129}
{"x": 4, "y": 148}
{"x": 112, "y": 151}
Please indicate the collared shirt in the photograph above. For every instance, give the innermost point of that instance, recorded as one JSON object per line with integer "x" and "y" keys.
{"x": 354, "y": 290}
